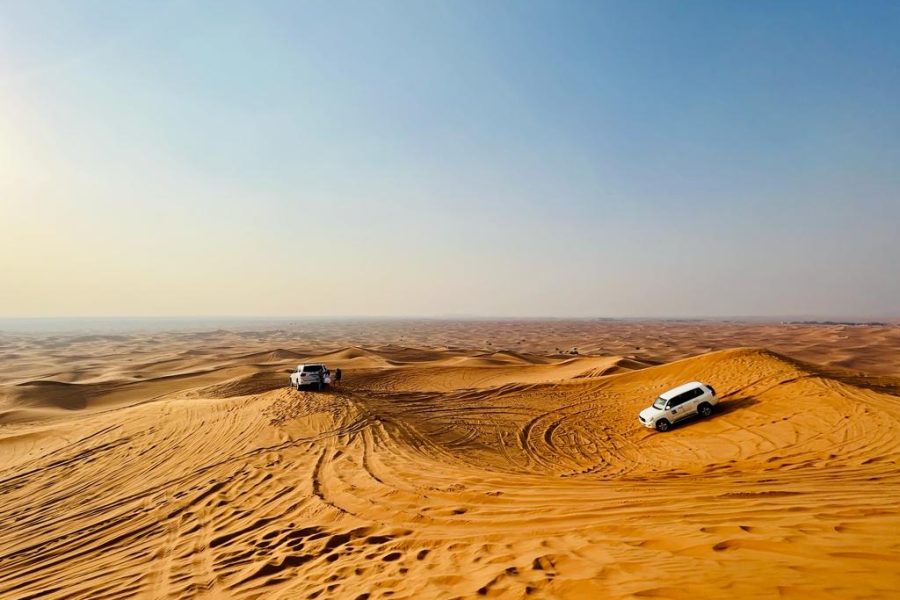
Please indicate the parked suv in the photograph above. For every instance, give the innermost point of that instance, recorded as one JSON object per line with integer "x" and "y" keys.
{"x": 315, "y": 374}
{"x": 685, "y": 401}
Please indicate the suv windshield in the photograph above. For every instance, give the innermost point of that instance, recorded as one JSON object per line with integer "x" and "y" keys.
{"x": 312, "y": 368}
{"x": 659, "y": 403}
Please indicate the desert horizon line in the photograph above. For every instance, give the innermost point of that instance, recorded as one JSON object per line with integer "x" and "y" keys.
{"x": 459, "y": 317}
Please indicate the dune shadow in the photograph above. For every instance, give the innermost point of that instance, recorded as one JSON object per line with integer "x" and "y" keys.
{"x": 880, "y": 384}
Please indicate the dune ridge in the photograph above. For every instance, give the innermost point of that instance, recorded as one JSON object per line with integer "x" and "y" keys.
{"x": 445, "y": 472}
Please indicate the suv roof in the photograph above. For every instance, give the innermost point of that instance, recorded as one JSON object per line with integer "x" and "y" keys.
{"x": 680, "y": 390}
{"x": 300, "y": 367}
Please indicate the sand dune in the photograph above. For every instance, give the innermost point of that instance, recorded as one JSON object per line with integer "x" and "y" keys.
{"x": 445, "y": 472}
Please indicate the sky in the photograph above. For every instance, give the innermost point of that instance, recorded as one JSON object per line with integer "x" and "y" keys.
{"x": 569, "y": 159}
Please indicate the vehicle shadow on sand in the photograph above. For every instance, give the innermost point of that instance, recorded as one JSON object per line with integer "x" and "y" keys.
{"x": 723, "y": 408}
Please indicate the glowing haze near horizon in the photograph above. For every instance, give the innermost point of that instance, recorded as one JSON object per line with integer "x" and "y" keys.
{"x": 464, "y": 158}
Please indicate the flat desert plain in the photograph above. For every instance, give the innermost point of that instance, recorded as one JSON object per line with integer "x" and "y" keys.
{"x": 456, "y": 459}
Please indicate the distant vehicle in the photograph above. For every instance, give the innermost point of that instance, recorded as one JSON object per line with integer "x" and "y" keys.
{"x": 313, "y": 375}
{"x": 685, "y": 401}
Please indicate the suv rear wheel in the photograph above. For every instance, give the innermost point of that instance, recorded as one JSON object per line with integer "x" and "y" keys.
{"x": 662, "y": 425}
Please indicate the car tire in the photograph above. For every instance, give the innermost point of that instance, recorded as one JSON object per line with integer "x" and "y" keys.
{"x": 704, "y": 410}
{"x": 663, "y": 425}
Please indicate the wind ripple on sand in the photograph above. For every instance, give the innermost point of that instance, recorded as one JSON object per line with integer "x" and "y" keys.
{"x": 447, "y": 474}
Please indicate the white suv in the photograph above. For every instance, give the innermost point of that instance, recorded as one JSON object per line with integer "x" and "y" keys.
{"x": 315, "y": 374}
{"x": 685, "y": 401}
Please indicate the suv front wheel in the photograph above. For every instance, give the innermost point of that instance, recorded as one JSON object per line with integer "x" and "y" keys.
{"x": 662, "y": 425}
{"x": 704, "y": 410}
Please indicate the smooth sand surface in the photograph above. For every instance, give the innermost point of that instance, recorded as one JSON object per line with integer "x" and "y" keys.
{"x": 455, "y": 460}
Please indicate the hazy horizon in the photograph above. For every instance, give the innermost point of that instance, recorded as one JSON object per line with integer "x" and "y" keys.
{"x": 450, "y": 160}
{"x": 114, "y": 325}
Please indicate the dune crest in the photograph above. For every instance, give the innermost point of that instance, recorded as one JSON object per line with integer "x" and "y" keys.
{"x": 446, "y": 473}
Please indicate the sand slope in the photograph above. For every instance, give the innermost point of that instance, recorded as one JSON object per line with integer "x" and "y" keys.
{"x": 448, "y": 473}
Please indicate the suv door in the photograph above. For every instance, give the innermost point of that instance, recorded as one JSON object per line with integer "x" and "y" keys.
{"x": 691, "y": 400}
{"x": 676, "y": 408}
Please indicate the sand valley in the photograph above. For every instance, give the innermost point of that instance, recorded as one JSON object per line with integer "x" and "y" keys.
{"x": 455, "y": 460}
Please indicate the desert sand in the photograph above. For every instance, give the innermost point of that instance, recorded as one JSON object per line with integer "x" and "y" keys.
{"x": 456, "y": 459}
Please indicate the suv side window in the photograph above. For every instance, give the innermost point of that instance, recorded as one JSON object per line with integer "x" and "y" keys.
{"x": 679, "y": 399}
{"x": 685, "y": 397}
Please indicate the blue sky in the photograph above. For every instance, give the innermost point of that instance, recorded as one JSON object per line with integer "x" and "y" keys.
{"x": 466, "y": 158}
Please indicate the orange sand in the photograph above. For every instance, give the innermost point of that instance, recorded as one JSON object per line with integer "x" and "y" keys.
{"x": 456, "y": 460}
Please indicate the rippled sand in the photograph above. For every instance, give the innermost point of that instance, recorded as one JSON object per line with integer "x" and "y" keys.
{"x": 456, "y": 460}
